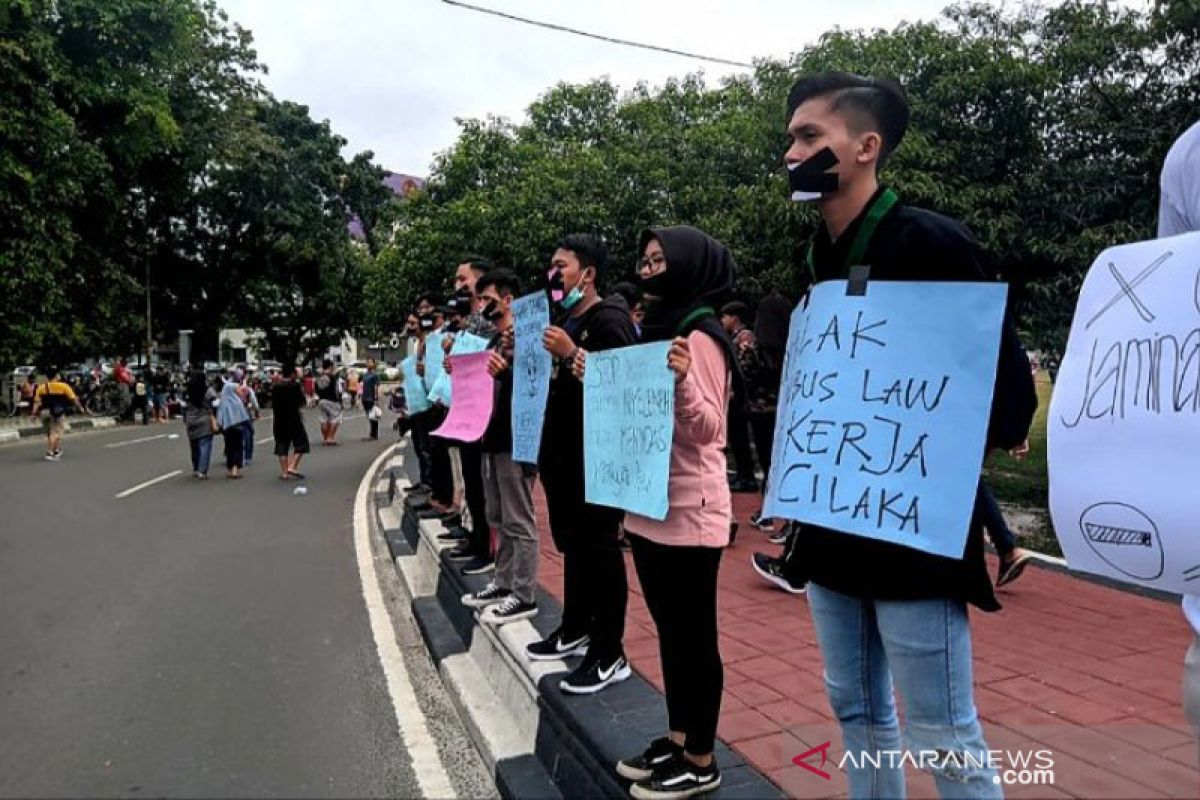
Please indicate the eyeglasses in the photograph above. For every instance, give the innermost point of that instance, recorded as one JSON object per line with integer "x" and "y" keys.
{"x": 656, "y": 260}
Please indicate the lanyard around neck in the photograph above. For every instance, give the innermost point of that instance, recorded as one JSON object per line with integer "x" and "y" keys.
{"x": 862, "y": 239}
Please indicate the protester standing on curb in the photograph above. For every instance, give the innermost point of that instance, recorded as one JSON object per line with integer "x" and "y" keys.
{"x": 686, "y": 275}
{"x": 200, "y": 422}
{"x": 233, "y": 418}
{"x": 52, "y": 400}
{"x": 1179, "y": 212}
{"x": 508, "y": 485}
{"x": 370, "y": 399}
{"x": 595, "y": 587}
{"x": 882, "y": 611}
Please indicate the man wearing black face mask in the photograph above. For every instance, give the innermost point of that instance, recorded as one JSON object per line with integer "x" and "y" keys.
{"x": 594, "y": 582}
{"x": 883, "y": 612}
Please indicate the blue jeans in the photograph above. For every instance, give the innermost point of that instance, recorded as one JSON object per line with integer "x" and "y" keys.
{"x": 926, "y": 646}
{"x": 201, "y": 453}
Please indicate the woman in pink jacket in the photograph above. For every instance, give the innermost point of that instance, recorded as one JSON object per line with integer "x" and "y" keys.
{"x": 686, "y": 275}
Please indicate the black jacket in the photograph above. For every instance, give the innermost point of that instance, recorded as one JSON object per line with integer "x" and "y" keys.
{"x": 912, "y": 244}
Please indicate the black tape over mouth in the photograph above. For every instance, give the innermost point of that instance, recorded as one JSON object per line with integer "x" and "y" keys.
{"x": 812, "y": 177}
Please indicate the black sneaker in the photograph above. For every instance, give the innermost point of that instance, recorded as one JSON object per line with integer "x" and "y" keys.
{"x": 510, "y": 609}
{"x": 485, "y": 596}
{"x": 420, "y": 488}
{"x": 433, "y": 513}
{"x": 453, "y": 535}
{"x": 772, "y": 570}
{"x": 553, "y": 647}
{"x": 679, "y": 779}
{"x": 454, "y": 521}
{"x": 656, "y": 757}
{"x": 779, "y": 537}
{"x": 593, "y": 675}
{"x": 478, "y": 566}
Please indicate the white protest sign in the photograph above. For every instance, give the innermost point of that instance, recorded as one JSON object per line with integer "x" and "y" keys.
{"x": 1124, "y": 425}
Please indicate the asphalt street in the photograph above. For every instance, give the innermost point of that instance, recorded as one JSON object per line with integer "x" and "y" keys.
{"x": 164, "y": 636}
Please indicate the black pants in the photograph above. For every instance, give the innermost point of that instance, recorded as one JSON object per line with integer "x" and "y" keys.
{"x": 993, "y": 520}
{"x": 441, "y": 480}
{"x": 738, "y": 434}
{"x": 595, "y": 588}
{"x": 680, "y": 587}
{"x": 480, "y": 540}
{"x": 235, "y": 446}
{"x": 419, "y": 425}
{"x": 762, "y": 425}
{"x": 374, "y": 423}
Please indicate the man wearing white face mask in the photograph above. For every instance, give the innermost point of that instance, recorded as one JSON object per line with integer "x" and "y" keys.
{"x": 594, "y": 581}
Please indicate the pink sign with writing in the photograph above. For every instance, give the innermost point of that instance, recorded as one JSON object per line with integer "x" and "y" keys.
{"x": 473, "y": 390}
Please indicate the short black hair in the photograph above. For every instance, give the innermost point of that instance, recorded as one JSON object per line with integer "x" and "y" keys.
{"x": 588, "y": 248}
{"x": 506, "y": 283}
{"x": 876, "y": 104}
{"x": 425, "y": 298}
{"x": 52, "y": 373}
{"x": 631, "y": 293}
{"x": 736, "y": 308}
{"x": 326, "y": 363}
{"x": 479, "y": 264}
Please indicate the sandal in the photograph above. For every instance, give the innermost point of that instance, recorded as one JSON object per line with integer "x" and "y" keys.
{"x": 1012, "y": 570}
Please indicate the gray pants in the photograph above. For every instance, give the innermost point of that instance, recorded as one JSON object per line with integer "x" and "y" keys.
{"x": 1191, "y": 683}
{"x": 509, "y": 494}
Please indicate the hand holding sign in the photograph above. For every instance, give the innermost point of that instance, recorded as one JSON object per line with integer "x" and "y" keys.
{"x": 679, "y": 358}
{"x": 883, "y": 410}
{"x": 474, "y": 396}
{"x": 531, "y": 375}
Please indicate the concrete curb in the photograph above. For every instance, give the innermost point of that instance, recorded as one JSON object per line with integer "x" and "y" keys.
{"x": 539, "y": 742}
{"x": 12, "y": 434}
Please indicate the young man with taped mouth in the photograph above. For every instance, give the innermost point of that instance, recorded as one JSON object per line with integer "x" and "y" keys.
{"x": 595, "y": 585}
{"x": 884, "y": 612}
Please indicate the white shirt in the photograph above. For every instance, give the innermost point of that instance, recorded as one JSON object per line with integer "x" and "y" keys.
{"x": 1179, "y": 205}
{"x": 1179, "y": 212}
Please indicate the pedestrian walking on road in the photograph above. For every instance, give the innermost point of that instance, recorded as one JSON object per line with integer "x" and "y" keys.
{"x": 52, "y": 400}
{"x": 352, "y": 386}
{"x": 330, "y": 389}
{"x": 250, "y": 400}
{"x": 200, "y": 422}
{"x": 233, "y": 419}
{"x": 370, "y": 399}
{"x": 287, "y": 400}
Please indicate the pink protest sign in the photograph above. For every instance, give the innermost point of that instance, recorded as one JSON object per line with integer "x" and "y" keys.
{"x": 473, "y": 390}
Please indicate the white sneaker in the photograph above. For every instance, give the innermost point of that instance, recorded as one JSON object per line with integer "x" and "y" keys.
{"x": 485, "y": 596}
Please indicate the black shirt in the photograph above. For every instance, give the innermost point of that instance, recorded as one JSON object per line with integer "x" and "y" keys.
{"x": 287, "y": 398}
{"x": 498, "y": 436}
{"x": 911, "y": 244}
{"x": 327, "y": 387}
{"x": 604, "y": 326}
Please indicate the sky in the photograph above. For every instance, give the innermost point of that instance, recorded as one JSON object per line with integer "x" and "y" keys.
{"x": 391, "y": 76}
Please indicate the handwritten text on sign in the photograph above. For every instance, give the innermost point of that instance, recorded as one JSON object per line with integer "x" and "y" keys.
{"x": 628, "y": 426}
{"x": 531, "y": 375}
{"x": 474, "y": 396}
{"x": 883, "y": 410}
{"x": 464, "y": 344}
{"x": 1124, "y": 424}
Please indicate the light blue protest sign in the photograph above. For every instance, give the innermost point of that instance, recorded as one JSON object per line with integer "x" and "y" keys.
{"x": 415, "y": 397}
{"x": 464, "y": 344}
{"x": 433, "y": 361}
{"x": 628, "y": 426}
{"x": 883, "y": 410}
{"x": 531, "y": 375}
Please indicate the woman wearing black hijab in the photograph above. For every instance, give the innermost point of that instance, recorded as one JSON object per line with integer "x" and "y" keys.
{"x": 686, "y": 275}
{"x": 198, "y": 418}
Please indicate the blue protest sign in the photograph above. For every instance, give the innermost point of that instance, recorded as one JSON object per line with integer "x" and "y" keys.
{"x": 628, "y": 426}
{"x": 531, "y": 375}
{"x": 883, "y": 410}
{"x": 464, "y": 344}
{"x": 415, "y": 396}
{"x": 433, "y": 361}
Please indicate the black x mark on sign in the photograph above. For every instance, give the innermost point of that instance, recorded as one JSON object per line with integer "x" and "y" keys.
{"x": 1127, "y": 287}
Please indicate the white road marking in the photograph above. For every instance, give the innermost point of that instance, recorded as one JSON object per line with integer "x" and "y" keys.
{"x": 148, "y": 483}
{"x": 143, "y": 439}
{"x": 410, "y": 720}
{"x": 264, "y": 441}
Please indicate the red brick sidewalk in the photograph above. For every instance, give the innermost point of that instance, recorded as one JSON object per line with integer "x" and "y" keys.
{"x": 1089, "y": 673}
